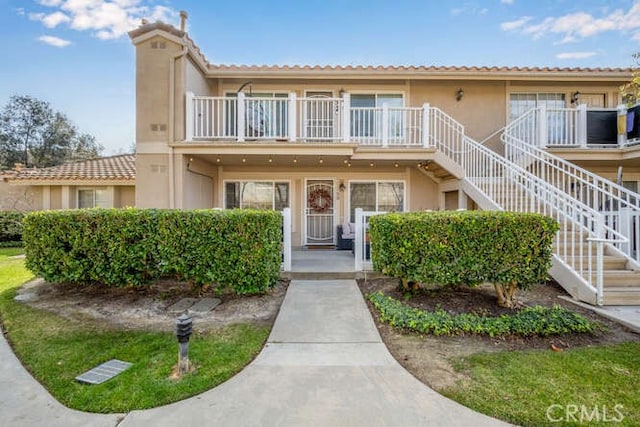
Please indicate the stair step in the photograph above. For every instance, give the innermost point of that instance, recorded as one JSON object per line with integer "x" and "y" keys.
{"x": 609, "y": 262}
{"x": 621, "y": 278}
{"x": 622, "y": 296}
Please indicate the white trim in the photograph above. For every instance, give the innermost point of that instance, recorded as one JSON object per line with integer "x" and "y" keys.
{"x": 64, "y": 196}
{"x": 46, "y": 197}
{"x": 376, "y": 181}
{"x": 271, "y": 181}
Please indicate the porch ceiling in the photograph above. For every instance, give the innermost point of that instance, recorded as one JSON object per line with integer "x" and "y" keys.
{"x": 308, "y": 161}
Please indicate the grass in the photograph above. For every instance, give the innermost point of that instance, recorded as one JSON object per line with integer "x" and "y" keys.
{"x": 582, "y": 384}
{"x": 56, "y": 350}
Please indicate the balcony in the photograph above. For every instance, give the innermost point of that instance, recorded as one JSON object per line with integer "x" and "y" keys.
{"x": 304, "y": 120}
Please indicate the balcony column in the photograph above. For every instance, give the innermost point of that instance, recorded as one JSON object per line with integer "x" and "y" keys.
{"x": 426, "y": 130}
{"x": 582, "y": 125}
{"x": 622, "y": 125}
{"x": 346, "y": 117}
{"x": 189, "y": 116}
{"x": 292, "y": 119}
{"x": 385, "y": 125}
{"x": 240, "y": 111}
{"x": 542, "y": 126}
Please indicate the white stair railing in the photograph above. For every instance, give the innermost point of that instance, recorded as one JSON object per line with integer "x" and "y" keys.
{"x": 620, "y": 207}
{"x": 580, "y": 242}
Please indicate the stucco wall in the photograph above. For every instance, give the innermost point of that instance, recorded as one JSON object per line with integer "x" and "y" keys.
{"x": 22, "y": 198}
{"x": 152, "y": 181}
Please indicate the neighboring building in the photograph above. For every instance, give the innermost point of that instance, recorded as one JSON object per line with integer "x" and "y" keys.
{"x": 103, "y": 182}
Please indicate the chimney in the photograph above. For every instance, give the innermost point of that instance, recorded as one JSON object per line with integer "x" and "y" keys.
{"x": 17, "y": 167}
{"x": 144, "y": 21}
{"x": 183, "y": 20}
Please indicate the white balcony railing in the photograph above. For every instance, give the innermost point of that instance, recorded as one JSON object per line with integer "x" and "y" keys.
{"x": 311, "y": 119}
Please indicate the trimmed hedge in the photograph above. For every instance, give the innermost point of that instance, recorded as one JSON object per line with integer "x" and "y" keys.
{"x": 237, "y": 249}
{"x": 541, "y": 321}
{"x": 11, "y": 226}
{"x": 463, "y": 248}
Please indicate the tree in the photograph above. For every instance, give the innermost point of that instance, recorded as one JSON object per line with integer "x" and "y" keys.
{"x": 32, "y": 133}
{"x": 631, "y": 91}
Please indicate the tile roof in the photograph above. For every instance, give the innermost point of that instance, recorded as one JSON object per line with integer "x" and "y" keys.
{"x": 121, "y": 167}
{"x": 421, "y": 69}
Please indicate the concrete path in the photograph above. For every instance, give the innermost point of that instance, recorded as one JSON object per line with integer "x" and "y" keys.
{"x": 324, "y": 365}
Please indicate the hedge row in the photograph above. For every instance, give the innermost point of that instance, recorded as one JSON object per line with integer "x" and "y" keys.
{"x": 11, "y": 226}
{"x": 463, "y": 248}
{"x": 541, "y": 321}
{"x": 237, "y": 249}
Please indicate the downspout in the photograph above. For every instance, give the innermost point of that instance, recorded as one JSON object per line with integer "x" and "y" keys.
{"x": 170, "y": 127}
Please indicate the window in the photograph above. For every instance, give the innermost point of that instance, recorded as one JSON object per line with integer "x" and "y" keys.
{"x": 366, "y": 117}
{"x": 376, "y": 196}
{"x": 520, "y": 103}
{"x": 93, "y": 198}
{"x": 257, "y": 195}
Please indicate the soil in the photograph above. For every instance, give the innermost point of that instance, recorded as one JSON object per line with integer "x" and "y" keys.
{"x": 147, "y": 308}
{"x": 429, "y": 358}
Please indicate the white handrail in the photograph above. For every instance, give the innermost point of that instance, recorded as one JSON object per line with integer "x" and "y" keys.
{"x": 583, "y": 231}
{"x": 598, "y": 193}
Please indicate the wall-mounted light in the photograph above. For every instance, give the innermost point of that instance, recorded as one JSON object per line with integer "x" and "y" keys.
{"x": 218, "y": 160}
{"x": 270, "y": 160}
{"x": 459, "y": 94}
{"x": 372, "y": 164}
{"x": 341, "y": 187}
{"x": 295, "y": 160}
{"x": 321, "y": 161}
{"x": 341, "y": 92}
{"x": 575, "y": 97}
{"x": 244, "y": 160}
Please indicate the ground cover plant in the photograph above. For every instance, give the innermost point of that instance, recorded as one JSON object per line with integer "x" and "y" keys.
{"x": 56, "y": 350}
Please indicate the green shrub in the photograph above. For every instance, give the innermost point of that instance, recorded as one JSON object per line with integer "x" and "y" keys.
{"x": 510, "y": 250}
{"x": 541, "y": 321}
{"x": 11, "y": 244}
{"x": 11, "y": 226}
{"x": 237, "y": 249}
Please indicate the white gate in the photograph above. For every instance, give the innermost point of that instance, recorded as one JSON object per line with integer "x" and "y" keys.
{"x": 362, "y": 246}
{"x": 319, "y": 213}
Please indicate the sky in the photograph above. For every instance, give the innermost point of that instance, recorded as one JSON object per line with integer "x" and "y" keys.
{"x": 76, "y": 54}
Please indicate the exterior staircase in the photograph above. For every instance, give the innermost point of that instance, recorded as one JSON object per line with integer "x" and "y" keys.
{"x": 595, "y": 257}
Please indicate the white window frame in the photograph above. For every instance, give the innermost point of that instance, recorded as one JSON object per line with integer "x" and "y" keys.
{"x": 377, "y": 182}
{"x": 270, "y": 181}
{"x": 108, "y": 201}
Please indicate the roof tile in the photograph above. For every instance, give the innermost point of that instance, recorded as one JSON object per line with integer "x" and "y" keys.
{"x": 120, "y": 167}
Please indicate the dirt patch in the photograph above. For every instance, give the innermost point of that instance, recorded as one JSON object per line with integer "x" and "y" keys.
{"x": 429, "y": 357}
{"x": 147, "y": 308}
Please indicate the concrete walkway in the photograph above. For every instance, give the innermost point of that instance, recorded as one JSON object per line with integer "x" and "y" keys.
{"x": 324, "y": 365}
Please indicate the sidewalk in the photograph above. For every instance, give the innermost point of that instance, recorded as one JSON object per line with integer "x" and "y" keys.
{"x": 324, "y": 365}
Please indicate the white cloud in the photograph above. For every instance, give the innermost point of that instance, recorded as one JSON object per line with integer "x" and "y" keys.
{"x": 575, "y": 55}
{"x": 579, "y": 25}
{"x": 54, "y": 19}
{"x": 513, "y": 25}
{"x": 105, "y": 19}
{"x": 54, "y": 41}
{"x": 506, "y": 1}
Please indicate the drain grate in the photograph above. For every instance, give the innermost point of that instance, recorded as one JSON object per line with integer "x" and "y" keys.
{"x": 103, "y": 372}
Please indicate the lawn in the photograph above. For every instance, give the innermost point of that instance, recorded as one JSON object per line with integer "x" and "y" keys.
{"x": 586, "y": 386}
{"x": 56, "y": 350}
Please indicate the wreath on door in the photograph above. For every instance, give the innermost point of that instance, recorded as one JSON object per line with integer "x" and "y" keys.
{"x": 320, "y": 200}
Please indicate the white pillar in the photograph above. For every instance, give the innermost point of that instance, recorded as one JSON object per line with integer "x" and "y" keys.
{"x": 346, "y": 117}
{"x": 582, "y": 125}
{"x": 622, "y": 125}
{"x": 542, "y": 126}
{"x": 46, "y": 197}
{"x": 293, "y": 109}
{"x": 426, "y": 129}
{"x": 189, "y": 116}
{"x": 462, "y": 199}
{"x": 65, "y": 197}
{"x": 240, "y": 115}
{"x": 624, "y": 227}
{"x": 286, "y": 238}
{"x": 359, "y": 239}
{"x": 385, "y": 125}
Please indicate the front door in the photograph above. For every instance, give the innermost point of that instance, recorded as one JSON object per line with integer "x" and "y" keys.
{"x": 319, "y": 212}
